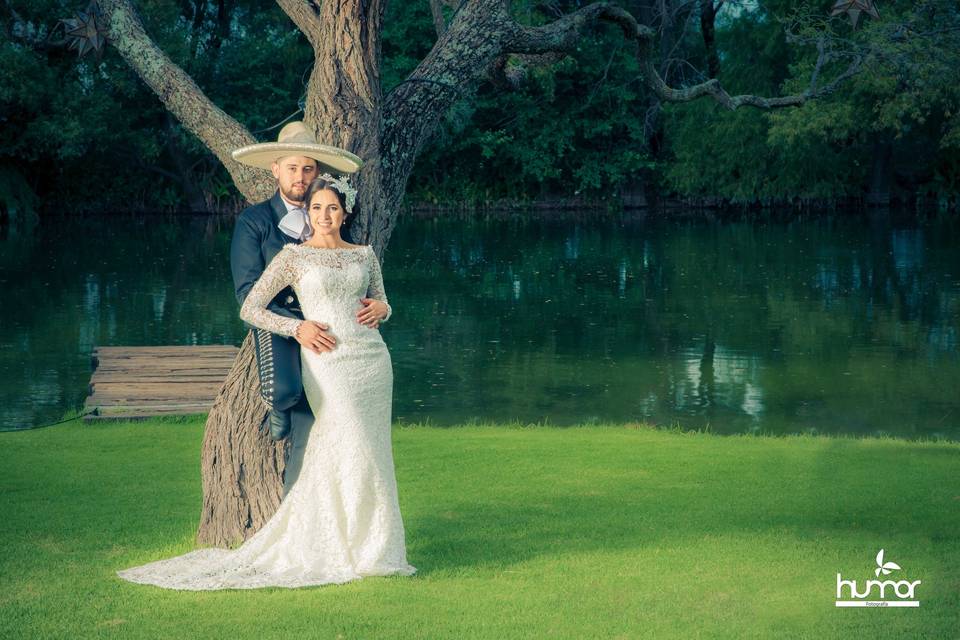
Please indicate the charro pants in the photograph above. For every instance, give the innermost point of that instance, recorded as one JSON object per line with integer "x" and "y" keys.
{"x": 278, "y": 364}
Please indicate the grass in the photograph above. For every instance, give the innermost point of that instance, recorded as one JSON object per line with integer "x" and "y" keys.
{"x": 602, "y": 531}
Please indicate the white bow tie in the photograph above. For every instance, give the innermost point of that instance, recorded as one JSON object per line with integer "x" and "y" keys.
{"x": 295, "y": 225}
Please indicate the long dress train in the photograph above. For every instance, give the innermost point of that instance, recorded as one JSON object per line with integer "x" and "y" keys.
{"x": 340, "y": 520}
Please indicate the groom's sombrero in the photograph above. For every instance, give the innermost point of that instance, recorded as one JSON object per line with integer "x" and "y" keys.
{"x": 295, "y": 140}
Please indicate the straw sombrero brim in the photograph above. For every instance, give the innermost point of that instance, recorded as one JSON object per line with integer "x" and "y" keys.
{"x": 264, "y": 154}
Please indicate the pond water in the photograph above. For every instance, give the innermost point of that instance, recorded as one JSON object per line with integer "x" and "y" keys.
{"x": 827, "y": 324}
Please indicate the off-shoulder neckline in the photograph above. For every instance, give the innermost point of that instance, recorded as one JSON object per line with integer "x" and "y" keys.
{"x": 362, "y": 246}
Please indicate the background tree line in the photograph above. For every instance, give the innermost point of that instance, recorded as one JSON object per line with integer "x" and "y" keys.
{"x": 87, "y": 135}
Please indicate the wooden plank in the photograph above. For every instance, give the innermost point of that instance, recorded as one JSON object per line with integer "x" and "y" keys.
{"x": 122, "y": 400}
{"x": 166, "y": 350}
{"x": 158, "y": 392}
{"x": 171, "y": 363}
{"x": 167, "y": 354}
{"x": 219, "y": 353}
{"x": 158, "y": 371}
{"x": 164, "y": 363}
{"x": 145, "y": 404}
{"x": 135, "y": 385}
{"x": 168, "y": 367}
{"x": 140, "y": 382}
{"x": 211, "y": 376}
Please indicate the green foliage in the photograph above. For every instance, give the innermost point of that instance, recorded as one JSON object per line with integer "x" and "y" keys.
{"x": 582, "y": 126}
{"x": 96, "y": 132}
{"x": 904, "y": 100}
{"x": 570, "y": 129}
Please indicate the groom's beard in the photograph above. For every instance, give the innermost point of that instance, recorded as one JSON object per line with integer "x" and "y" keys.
{"x": 296, "y": 193}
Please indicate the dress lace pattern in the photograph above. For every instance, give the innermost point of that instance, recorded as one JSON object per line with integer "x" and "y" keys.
{"x": 340, "y": 519}
{"x": 304, "y": 267}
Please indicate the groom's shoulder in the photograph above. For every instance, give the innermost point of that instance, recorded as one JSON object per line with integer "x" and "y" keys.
{"x": 257, "y": 216}
{"x": 258, "y": 210}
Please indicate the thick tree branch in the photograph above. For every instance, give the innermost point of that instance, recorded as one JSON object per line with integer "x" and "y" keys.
{"x": 455, "y": 65}
{"x": 182, "y": 97}
{"x": 564, "y": 34}
{"x": 306, "y": 16}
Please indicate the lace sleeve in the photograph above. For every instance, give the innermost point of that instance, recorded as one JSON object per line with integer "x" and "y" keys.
{"x": 281, "y": 272}
{"x": 375, "y": 290}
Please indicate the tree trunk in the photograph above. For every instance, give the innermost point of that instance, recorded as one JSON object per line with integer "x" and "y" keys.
{"x": 242, "y": 465}
{"x": 344, "y": 103}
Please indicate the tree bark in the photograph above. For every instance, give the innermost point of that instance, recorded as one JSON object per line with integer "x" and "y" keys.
{"x": 242, "y": 466}
{"x": 344, "y": 101}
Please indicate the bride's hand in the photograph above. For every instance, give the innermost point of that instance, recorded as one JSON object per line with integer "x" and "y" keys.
{"x": 372, "y": 313}
{"x": 313, "y": 336}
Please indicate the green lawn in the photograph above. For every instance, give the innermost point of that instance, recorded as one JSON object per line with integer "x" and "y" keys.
{"x": 517, "y": 532}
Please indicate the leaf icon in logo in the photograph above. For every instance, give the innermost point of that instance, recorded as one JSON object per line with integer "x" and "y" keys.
{"x": 884, "y": 568}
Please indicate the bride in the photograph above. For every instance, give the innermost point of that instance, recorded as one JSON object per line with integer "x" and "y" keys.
{"x": 340, "y": 520}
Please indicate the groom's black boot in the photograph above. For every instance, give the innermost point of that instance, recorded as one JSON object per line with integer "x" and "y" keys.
{"x": 279, "y": 423}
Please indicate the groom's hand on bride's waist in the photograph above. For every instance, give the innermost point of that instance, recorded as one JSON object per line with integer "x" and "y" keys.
{"x": 372, "y": 313}
{"x": 314, "y": 336}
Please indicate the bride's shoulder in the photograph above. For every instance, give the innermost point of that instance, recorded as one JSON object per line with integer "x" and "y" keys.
{"x": 362, "y": 249}
{"x": 288, "y": 250}
{"x": 290, "y": 254}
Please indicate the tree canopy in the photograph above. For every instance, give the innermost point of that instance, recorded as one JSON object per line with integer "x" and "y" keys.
{"x": 576, "y": 125}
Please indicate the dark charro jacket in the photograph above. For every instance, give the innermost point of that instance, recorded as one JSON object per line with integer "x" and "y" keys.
{"x": 256, "y": 240}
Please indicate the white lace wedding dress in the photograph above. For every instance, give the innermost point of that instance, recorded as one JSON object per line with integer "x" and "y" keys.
{"x": 340, "y": 520}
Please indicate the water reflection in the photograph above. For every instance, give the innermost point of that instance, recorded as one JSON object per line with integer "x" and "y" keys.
{"x": 825, "y": 325}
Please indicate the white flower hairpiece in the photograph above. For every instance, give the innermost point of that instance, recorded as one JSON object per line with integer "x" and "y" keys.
{"x": 342, "y": 185}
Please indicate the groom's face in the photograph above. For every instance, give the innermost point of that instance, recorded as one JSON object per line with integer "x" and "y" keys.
{"x": 293, "y": 175}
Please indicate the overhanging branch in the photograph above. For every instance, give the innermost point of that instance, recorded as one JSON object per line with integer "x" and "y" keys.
{"x": 304, "y": 14}
{"x": 476, "y": 45}
{"x": 181, "y": 96}
{"x": 564, "y": 34}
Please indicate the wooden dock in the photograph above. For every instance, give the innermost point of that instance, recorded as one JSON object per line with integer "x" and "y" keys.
{"x": 145, "y": 382}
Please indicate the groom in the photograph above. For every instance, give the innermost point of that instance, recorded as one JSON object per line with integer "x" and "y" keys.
{"x": 261, "y": 232}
